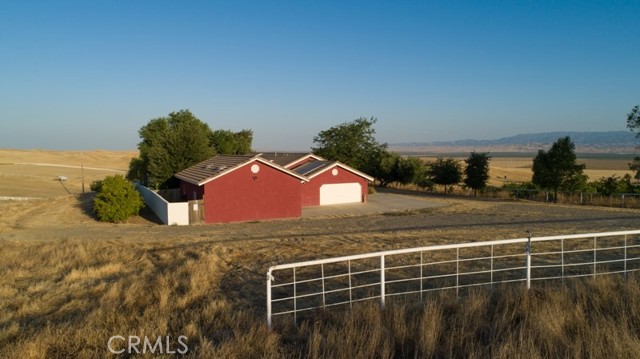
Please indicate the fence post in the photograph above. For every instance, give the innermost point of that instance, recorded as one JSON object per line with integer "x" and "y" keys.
{"x": 382, "y": 285}
{"x": 562, "y": 258}
{"x": 625, "y": 256}
{"x": 323, "y": 294}
{"x": 528, "y": 253}
{"x": 457, "y": 271}
{"x": 595, "y": 260}
{"x": 350, "y": 286}
{"x": 269, "y": 279}
{"x": 422, "y": 275}
{"x": 492, "y": 267}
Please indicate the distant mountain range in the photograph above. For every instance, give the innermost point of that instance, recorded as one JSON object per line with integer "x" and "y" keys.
{"x": 611, "y": 141}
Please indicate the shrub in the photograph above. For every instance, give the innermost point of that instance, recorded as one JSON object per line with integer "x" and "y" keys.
{"x": 116, "y": 200}
{"x": 426, "y": 184}
{"x": 96, "y": 185}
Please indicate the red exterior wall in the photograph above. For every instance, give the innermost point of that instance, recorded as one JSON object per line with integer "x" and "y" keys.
{"x": 242, "y": 195}
{"x": 187, "y": 190}
{"x": 311, "y": 189}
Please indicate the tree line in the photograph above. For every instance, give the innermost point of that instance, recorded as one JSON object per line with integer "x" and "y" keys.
{"x": 556, "y": 169}
{"x": 354, "y": 144}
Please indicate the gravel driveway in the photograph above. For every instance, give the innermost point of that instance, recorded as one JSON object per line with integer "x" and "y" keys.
{"x": 378, "y": 203}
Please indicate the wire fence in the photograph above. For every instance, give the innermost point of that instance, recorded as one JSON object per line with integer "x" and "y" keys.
{"x": 622, "y": 200}
{"x": 299, "y": 289}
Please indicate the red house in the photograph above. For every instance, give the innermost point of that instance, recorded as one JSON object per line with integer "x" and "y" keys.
{"x": 243, "y": 188}
{"x": 329, "y": 182}
{"x": 332, "y": 183}
{"x": 269, "y": 185}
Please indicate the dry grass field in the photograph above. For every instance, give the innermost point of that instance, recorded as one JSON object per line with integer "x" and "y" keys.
{"x": 68, "y": 283}
{"x": 33, "y": 173}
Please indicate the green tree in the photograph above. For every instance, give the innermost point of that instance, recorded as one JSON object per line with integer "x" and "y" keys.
{"x": 477, "y": 171}
{"x": 384, "y": 167}
{"x": 227, "y": 142}
{"x": 609, "y": 185}
{"x": 352, "y": 143}
{"x": 116, "y": 199}
{"x": 625, "y": 185}
{"x": 578, "y": 182}
{"x": 96, "y": 186}
{"x": 633, "y": 123}
{"x": 137, "y": 170}
{"x": 614, "y": 184}
{"x": 244, "y": 141}
{"x": 633, "y": 120}
{"x": 446, "y": 172}
{"x": 635, "y": 166}
{"x": 169, "y": 145}
{"x": 410, "y": 170}
{"x": 557, "y": 168}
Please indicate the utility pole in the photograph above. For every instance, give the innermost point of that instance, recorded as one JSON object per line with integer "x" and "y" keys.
{"x": 82, "y": 169}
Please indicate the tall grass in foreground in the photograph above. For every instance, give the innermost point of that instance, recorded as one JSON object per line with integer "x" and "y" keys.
{"x": 595, "y": 318}
{"x": 65, "y": 299}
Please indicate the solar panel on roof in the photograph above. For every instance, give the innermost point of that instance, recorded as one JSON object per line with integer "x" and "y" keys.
{"x": 310, "y": 167}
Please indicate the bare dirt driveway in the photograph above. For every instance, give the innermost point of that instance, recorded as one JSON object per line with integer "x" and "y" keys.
{"x": 377, "y": 203}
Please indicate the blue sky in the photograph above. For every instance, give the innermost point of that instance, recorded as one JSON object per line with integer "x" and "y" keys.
{"x": 88, "y": 74}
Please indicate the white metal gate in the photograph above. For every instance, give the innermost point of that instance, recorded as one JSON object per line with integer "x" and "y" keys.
{"x": 306, "y": 286}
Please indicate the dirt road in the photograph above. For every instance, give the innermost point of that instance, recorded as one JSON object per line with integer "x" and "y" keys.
{"x": 260, "y": 244}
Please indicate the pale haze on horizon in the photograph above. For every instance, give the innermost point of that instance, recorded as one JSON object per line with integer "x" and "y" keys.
{"x": 87, "y": 75}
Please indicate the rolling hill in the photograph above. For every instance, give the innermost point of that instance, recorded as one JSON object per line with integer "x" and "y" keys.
{"x": 606, "y": 142}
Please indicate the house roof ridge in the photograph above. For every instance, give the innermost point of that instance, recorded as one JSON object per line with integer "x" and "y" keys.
{"x": 219, "y": 165}
{"x": 344, "y": 166}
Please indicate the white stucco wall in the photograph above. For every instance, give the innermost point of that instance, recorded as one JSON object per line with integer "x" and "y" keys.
{"x": 169, "y": 213}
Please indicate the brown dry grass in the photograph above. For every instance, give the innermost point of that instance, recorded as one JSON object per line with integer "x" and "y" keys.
{"x": 96, "y": 158}
{"x": 33, "y": 173}
{"x": 594, "y": 318}
{"x": 68, "y": 283}
{"x": 65, "y": 298}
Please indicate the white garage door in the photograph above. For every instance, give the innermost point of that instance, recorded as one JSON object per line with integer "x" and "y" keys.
{"x": 340, "y": 193}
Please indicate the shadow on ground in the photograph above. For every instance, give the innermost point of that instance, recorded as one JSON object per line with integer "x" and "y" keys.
{"x": 85, "y": 203}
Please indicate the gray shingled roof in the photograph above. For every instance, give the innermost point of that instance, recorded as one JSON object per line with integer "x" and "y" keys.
{"x": 220, "y": 164}
{"x": 282, "y": 158}
{"x": 211, "y": 167}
